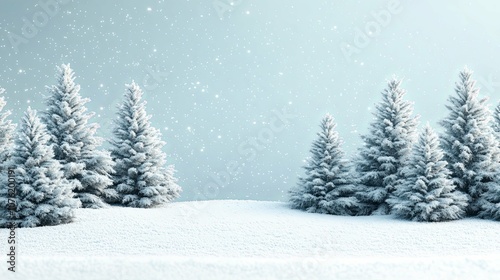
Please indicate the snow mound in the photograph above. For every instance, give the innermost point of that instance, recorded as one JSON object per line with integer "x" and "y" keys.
{"x": 252, "y": 240}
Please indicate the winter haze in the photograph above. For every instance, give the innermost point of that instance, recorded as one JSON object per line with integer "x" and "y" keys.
{"x": 219, "y": 82}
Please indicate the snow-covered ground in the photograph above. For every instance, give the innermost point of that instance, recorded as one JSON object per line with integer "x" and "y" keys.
{"x": 252, "y": 240}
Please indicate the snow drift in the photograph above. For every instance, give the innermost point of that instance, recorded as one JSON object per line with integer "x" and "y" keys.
{"x": 252, "y": 240}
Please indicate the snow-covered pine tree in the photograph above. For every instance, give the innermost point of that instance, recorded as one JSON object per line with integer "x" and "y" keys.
{"x": 175, "y": 189}
{"x": 75, "y": 144}
{"x": 386, "y": 149}
{"x": 426, "y": 193}
{"x": 6, "y": 133}
{"x": 327, "y": 186}
{"x": 43, "y": 196}
{"x": 469, "y": 143}
{"x": 496, "y": 120}
{"x": 141, "y": 180}
{"x": 489, "y": 202}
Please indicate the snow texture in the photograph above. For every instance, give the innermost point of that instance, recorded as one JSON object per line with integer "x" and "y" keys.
{"x": 253, "y": 240}
{"x": 43, "y": 197}
{"x": 75, "y": 144}
{"x": 327, "y": 186}
{"x": 141, "y": 180}
{"x": 386, "y": 149}
{"x": 426, "y": 193}
{"x": 471, "y": 148}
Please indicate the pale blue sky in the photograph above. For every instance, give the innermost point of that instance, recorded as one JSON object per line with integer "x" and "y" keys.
{"x": 213, "y": 79}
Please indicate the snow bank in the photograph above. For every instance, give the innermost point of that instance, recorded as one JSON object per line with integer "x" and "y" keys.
{"x": 252, "y": 240}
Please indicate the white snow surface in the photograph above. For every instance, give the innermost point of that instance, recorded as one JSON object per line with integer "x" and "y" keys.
{"x": 252, "y": 240}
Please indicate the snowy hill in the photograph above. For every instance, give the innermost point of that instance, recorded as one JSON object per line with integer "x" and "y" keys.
{"x": 253, "y": 240}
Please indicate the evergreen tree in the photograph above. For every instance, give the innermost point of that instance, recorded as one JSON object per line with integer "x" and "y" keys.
{"x": 75, "y": 144}
{"x": 141, "y": 180}
{"x": 172, "y": 181}
{"x": 426, "y": 193}
{"x": 326, "y": 187}
{"x": 470, "y": 146}
{"x": 496, "y": 121}
{"x": 43, "y": 197}
{"x": 6, "y": 133}
{"x": 385, "y": 150}
{"x": 489, "y": 202}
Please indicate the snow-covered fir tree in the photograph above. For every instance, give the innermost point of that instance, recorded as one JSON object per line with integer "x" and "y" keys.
{"x": 469, "y": 143}
{"x": 6, "y": 133}
{"x": 496, "y": 120}
{"x": 327, "y": 185}
{"x": 385, "y": 150}
{"x": 426, "y": 193}
{"x": 43, "y": 196}
{"x": 74, "y": 141}
{"x": 172, "y": 180}
{"x": 489, "y": 202}
{"x": 141, "y": 179}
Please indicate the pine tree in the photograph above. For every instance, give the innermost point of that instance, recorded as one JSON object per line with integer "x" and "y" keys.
{"x": 75, "y": 144}
{"x": 426, "y": 193}
{"x": 43, "y": 197}
{"x": 489, "y": 202}
{"x": 326, "y": 187}
{"x": 172, "y": 181}
{"x": 385, "y": 150}
{"x": 470, "y": 146}
{"x": 6, "y": 133}
{"x": 496, "y": 121}
{"x": 141, "y": 180}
